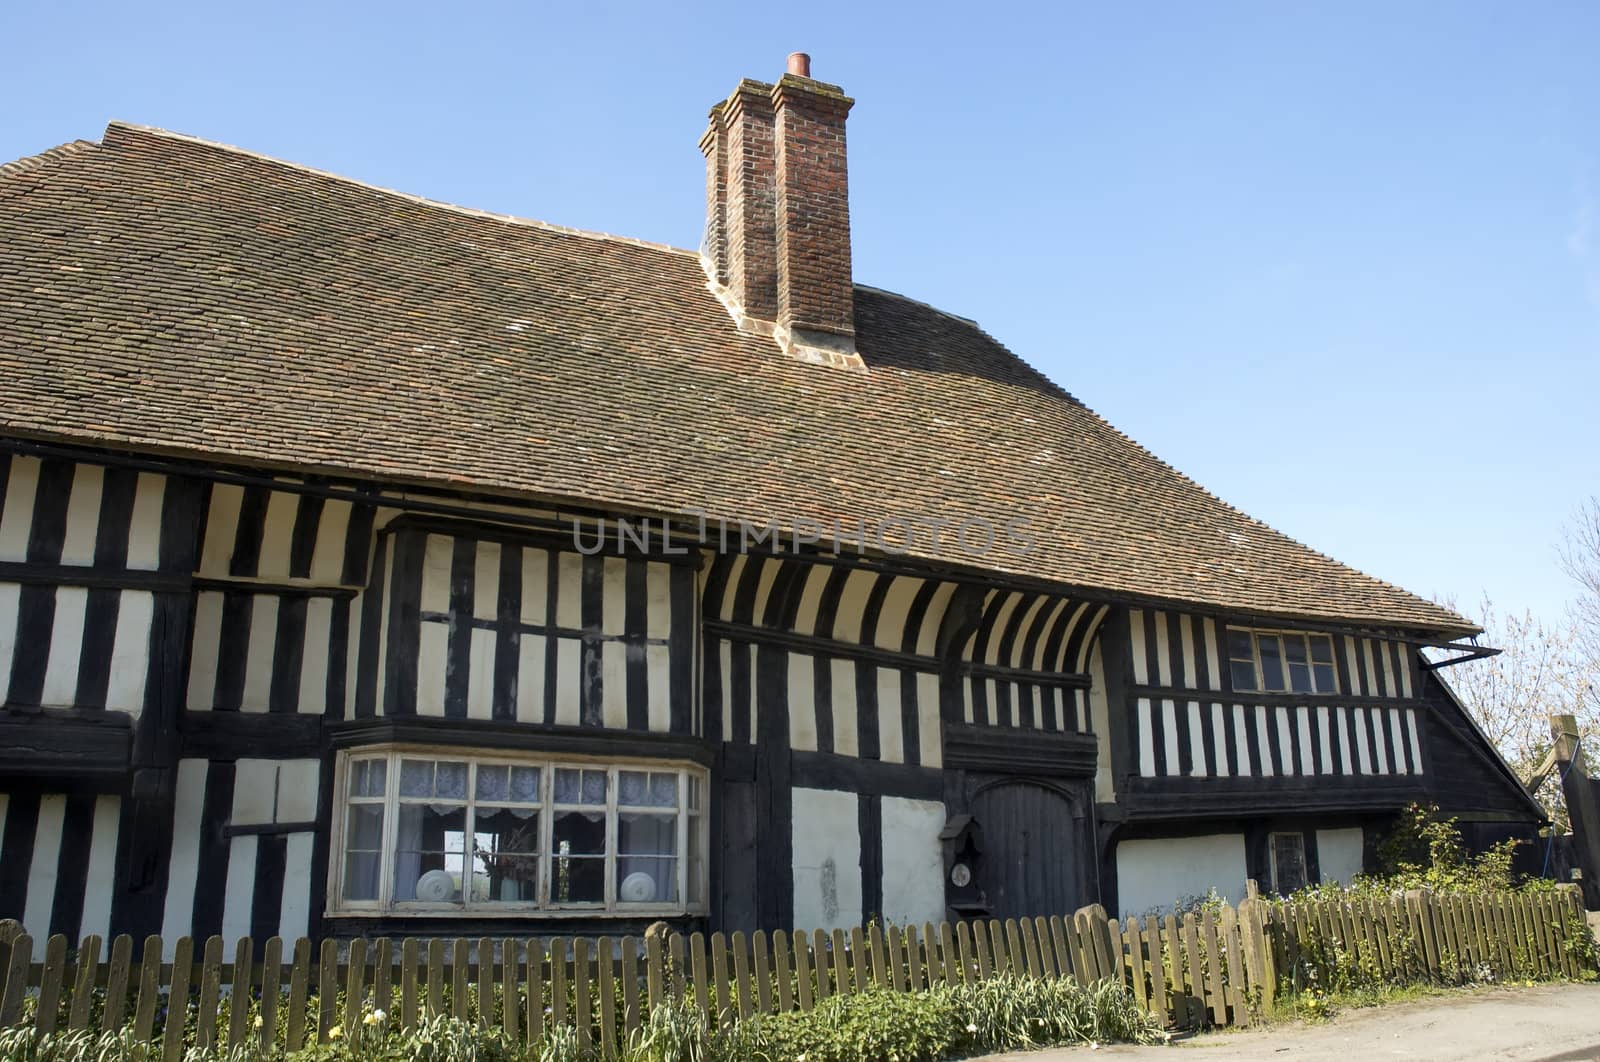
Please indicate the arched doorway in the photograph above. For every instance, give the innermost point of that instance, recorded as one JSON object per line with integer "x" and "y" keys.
{"x": 1034, "y": 848}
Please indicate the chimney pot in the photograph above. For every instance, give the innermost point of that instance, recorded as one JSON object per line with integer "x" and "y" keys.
{"x": 800, "y": 64}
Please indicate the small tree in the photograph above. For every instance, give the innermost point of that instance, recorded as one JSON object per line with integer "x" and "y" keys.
{"x": 1542, "y": 670}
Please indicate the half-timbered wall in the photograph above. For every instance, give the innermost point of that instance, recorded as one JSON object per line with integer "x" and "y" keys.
{"x": 1189, "y": 724}
{"x": 277, "y": 622}
{"x": 243, "y": 849}
{"x": 81, "y": 549}
{"x": 58, "y": 855}
{"x": 480, "y": 625}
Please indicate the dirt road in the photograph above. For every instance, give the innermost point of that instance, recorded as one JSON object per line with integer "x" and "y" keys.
{"x": 1551, "y": 1023}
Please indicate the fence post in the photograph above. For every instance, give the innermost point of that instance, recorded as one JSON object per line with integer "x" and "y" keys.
{"x": 1261, "y": 972}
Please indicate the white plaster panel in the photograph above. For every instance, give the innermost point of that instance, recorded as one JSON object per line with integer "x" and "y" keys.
{"x": 1339, "y": 854}
{"x": 827, "y": 859}
{"x": 913, "y": 861}
{"x": 1159, "y": 871}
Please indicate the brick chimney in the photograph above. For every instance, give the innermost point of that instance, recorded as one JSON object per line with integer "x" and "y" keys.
{"x": 777, "y": 243}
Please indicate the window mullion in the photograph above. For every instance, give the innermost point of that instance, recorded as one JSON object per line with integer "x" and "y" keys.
{"x": 467, "y": 840}
{"x": 391, "y": 829}
{"x": 547, "y": 863}
{"x": 683, "y": 839}
{"x": 611, "y": 838}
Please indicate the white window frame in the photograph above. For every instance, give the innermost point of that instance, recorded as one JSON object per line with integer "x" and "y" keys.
{"x": 1272, "y": 852}
{"x": 386, "y": 906}
{"x": 1305, "y": 637}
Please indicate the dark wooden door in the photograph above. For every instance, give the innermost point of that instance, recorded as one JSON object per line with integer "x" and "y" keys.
{"x": 1034, "y": 848}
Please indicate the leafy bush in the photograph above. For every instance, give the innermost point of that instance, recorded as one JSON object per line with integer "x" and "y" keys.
{"x": 898, "y": 1027}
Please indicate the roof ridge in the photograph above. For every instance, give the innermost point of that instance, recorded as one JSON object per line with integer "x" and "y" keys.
{"x": 115, "y": 129}
{"x": 45, "y": 157}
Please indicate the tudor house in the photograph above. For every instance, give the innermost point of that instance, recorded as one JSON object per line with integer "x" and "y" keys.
{"x": 316, "y": 616}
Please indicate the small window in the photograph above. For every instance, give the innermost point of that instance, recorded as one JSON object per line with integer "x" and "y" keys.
{"x": 1281, "y": 662}
{"x": 1288, "y": 862}
{"x": 445, "y": 832}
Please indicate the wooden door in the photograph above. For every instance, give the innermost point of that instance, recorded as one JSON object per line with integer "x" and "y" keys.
{"x": 1034, "y": 849}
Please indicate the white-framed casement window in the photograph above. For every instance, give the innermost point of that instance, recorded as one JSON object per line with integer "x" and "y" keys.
{"x": 1289, "y": 872}
{"x": 442, "y": 831}
{"x": 1281, "y": 662}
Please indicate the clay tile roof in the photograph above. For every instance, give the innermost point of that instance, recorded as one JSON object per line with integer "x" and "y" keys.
{"x": 163, "y": 293}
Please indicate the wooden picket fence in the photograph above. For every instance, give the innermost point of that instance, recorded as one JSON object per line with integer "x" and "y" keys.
{"x": 1218, "y": 966}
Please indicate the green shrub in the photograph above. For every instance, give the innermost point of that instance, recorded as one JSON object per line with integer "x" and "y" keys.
{"x": 893, "y": 1026}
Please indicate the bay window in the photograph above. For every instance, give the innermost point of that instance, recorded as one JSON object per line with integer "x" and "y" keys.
{"x": 437, "y": 832}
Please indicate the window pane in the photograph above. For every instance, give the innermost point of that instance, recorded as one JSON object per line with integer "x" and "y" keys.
{"x": 664, "y": 790}
{"x": 494, "y": 782}
{"x": 580, "y": 787}
{"x": 1326, "y": 683}
{"x": 696, "y": 866}
{"x": 647, "y": 865}
{"x": 1271, "y": 662}
{"x": 694, "y": 792}
{"x": 505, "y": 855}
{"x": 525, "y": 784}
{"x": 416, "y": 778}
{"x": 1244, "y": 675}
{"x": 1294, "y": 649}
{"x": 1321, "y": 649}
{"x": 633, "y": 787}
{"x": 1299, "y": 678}
{"x": 367, "y": 777}
{"x": 578, "y": 857}
{"x": 363, "y": 851}
{"x": 1239, "y": 647}
{"x": 430, "y": 856}
{"x": 1289, "y": 861}
{"x": 451, "y": 780}
{"x": 653, "y": 790}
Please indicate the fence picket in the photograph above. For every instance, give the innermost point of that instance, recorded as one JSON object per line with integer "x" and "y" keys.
{"x": 88, "y": 966}
{"x": 581, "y": 1000}
{"x": 355, "y": 986}
{"x": 697, "y": 975}
{"x": 144, "y": 1010}
{"x": 327, "y": 990}
{"x": 841, "y": 965}
{"x": 953, "y": 957}
{"x": 630, "y": 986}
{"x": 762, "y": 967}
{"x": 240, "y": 990}
{"x": 655, "y": 987}
{"x": 605, "y": 977}
{"x": 1156, "y": 969}
{"x": 210, "y": 993}
{"x": 558, "y": 982}
{"x": 485, "y": 982}
{"x": 783, "y": 971}
{"x": 46, "y": 1017}
{"x": 271, "y": 980}
{"x": 802, "y": 971}
{"x": 410, "y": 957}
{"x": 299, "y": 981}
{"x": 1005, "y": 958}
{"x": 858, "y": 960}
{"x": 1133, "y": 936}
{"x": 116, "y": 1006}
{"x": 1194, "y": 976}
{"x": 742, "y": 986}
{"x": 875, "y": 949}
{"x": 177, "y": 999}
{"x": 383, "y": 977}
{"x": 534, "y": 960}
{"x": 916, "y": 967}
{"x": 723, "y": 1006}
{"x": 1216, "y": 995}
{"x": 1233, "y": 947}
{"x": 821, "y": 961}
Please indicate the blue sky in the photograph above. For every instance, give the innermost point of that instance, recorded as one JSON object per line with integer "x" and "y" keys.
{"x": 1340, "y": 264}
